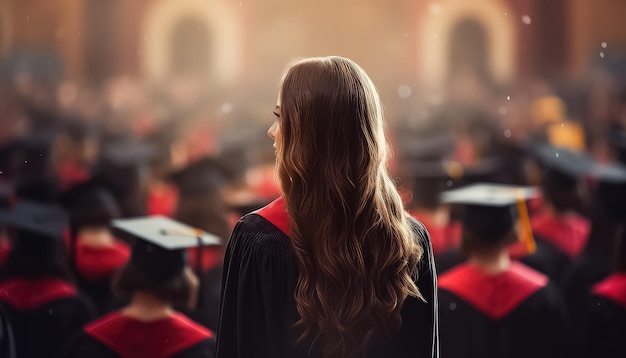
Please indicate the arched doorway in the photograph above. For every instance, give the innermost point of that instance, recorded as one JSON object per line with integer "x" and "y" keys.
{"x": 189, "y": 48}
{"x": 441, "y": 31}
{"x": 192, "y": 35}
{"x": 468, "y": 51}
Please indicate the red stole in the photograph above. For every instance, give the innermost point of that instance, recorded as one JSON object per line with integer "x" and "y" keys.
{"x": 27, "y": 294}
{"x": 276, "y": 213}
{"x": 161, "y": 338}
{"x": 211, "y": 257}
{"x": 494, "y": 295}
{"x": 95, "y": 263}
{"x": 613, "y": 288}
{"x": 568, "y": 234}
{"x": 162, "y": 200}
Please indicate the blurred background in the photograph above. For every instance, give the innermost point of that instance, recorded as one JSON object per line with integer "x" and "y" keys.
{"x": 166, "y": 104}
{"x": 488, "y": 74}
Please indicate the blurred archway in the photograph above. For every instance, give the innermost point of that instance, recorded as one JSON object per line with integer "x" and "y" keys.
{"x": 438, "y": 29}
{"x": 220, "y": 33}
{"x": 189, "y": 48}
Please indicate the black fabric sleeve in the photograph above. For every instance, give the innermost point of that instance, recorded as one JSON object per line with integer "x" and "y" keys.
{"x": 255, "y": 292}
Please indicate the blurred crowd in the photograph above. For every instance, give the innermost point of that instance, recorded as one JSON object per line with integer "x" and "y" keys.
{"x": 178, "y": 152}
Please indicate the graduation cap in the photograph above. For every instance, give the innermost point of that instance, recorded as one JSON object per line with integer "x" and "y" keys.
{"x": 160, "y": 244}
{"x": 491, "y": 210}
{"x": 44, "y": 221}
{"x": 610, "y": 188}
{"x": 202, "y": 176}
{"x": 90, "y": 202}
{"x": 561, "y": 167}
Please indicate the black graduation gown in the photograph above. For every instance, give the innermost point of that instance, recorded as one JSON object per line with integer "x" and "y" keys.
{"x": 7, "y": 339}
{"x": 117, "y": 335}
{"x": 605, "y": 324}
{"x": 513, "y": 314}
{"x": 258, "y": 307}
{"x": 43, "y": 314}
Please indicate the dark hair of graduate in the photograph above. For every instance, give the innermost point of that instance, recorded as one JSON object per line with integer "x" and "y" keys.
{"x": 354, "y": 246}
{"x": 36, "y": 257}
{"x": 176, "y": 291}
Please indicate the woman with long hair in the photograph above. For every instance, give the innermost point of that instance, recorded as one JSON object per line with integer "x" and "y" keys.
{"x": 335, "y": 267}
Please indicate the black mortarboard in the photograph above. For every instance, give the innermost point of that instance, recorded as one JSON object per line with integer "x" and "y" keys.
{"x": 610, "y": 189}
{"x": 125, "y": 164}
{"x": 43, "y": 221}
{"x": 160, "y": 244}
{"x": 490, "y": 210}
{"x": 202, "y": 176}
{"x": 561, "y": 167}
{"x": 90, "y": 202}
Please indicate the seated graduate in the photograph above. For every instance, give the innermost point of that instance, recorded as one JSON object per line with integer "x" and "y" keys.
{"x": 36, "y": 290}
{"x": 125, "y": 164}
{"x": 201, "y": 205}
{"x": 492, "y": 306}
{"x": 94, "y": 253}
{"x": 156, "y": 278}
{"x": 430, "y": 173}
{"x": 560, "y": 232}
{"x": 606, "y": 206}
{"x": 605, "y": 320}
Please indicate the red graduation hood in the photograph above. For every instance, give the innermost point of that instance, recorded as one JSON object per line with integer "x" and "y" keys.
{"x": 613, "y": 288}
{"x": 27, "y": 294}
{"x": 569, "y": 233}
{"x": 161, "y": 338}
{"x": 494, "y": 295}
{"x": 276, "y": 213}
{"x": 95, "y": 263}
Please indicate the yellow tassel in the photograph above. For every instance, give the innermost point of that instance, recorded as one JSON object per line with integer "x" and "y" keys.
{"x": 527, "y": 231}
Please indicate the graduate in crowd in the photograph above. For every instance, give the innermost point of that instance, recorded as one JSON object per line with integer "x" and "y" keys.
{"x": 429, "y": 173}
{"x": 125, "y": 166}
{"x": 335, "y": 267}
{"x": 492, "y": 306}
{"x": 156, "y": 279}
{"x": 162, "y": 196}
{"x": 560, "y": 232}
{"x": 75, "y": 151}
{"x": 95, "y": 254}
{"x": 595, "y": 262}
{"x": 36, "y": 291}
{"x": 201, "y": 205}
{"x": 604, "y": 320}
{"x": 33, "y": 163}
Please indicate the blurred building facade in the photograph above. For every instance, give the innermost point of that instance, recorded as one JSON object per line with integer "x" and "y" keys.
{"x": 233, "y": 42}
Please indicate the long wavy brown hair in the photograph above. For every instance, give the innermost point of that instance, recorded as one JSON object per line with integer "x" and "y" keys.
{"x": 355, "y": 249}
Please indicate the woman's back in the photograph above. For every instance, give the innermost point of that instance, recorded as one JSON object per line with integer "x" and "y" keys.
{"x": 259, "y": 308}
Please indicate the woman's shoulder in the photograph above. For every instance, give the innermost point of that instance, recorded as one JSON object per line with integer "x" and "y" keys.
{"x": 255, "y": 234}
{"x": 421, "y": 233}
